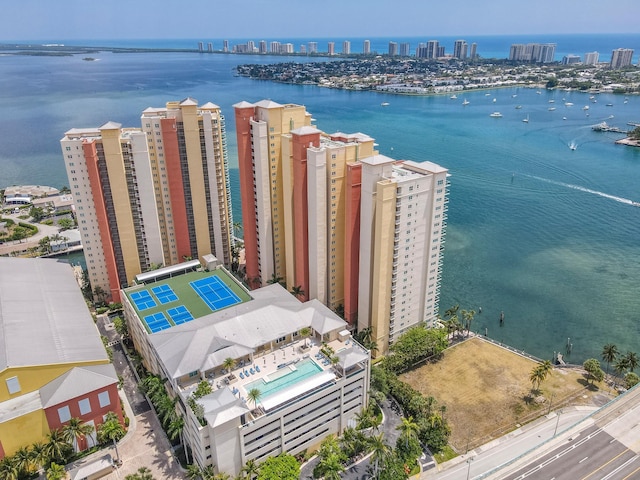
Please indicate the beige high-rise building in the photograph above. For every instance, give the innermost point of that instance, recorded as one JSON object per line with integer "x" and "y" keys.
{"x": 152, "y": 196}
{"x": 312, "y": 219}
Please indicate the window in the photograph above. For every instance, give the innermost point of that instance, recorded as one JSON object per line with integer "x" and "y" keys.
{"x": 281, "y": 339}
{"x": 85, "y": 406}
{"x": 64, "y": 414}
{"x": 13, "y": 385}
{"x": 103, "y": 399}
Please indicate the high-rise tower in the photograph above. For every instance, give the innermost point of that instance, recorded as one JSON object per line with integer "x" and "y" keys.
{"x": 150, "y": 196}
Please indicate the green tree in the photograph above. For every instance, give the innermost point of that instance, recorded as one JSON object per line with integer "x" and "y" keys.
{"x": 282, "y": 467}
{"x": 632, "y": 360}
{"x": 229, "y": 364}
{"x": 66, "y": 224}
{"x": 143, "y": 473}
{"x": 22, "y": 460}
{"x": 380, "y": 450}
{"x": 45, "y": 245}
{"x": 8, "y": 469}
{"x": 250, "y": 470}
{"x": 203, "y": 389}
{"x": 121, "y": 326}
{"x": 36, "y": 213}
{"x": 56, "y": 472}
{"x": 395, "y": 468}
{"x": 408, "y": 429}
{"x": 609, "y": 354}
{"x": 39, "y": 456}
{"x": 298, "y": 292}
{"x": 253, "y": 396}
{"x": 100, "y": 294}
{"x": 57, "y": 448}
{"x": 305, "y": 332}
{"x": 467, "y": 318}
{"x": 193, "y": 472}
{"x": 631, "y": 380}
{"x": 111, "y": 430}
{"x": 276, "y": 279}
{"x": 592, "y": 367}
{"x": 75, "y": 430}
{"x": 20, "y": 233}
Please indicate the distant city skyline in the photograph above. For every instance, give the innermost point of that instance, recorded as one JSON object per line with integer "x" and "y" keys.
{"x": 74, "y": 19}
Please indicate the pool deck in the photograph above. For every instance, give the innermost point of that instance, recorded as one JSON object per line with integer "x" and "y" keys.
{"x": 269, "y": 363}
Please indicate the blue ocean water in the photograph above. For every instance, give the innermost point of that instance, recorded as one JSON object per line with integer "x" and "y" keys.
{"x": 537, "y": 230}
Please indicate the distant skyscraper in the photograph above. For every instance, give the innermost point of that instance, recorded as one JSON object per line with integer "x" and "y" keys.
{"x": 331, "y": 48}
{"x": 251, "y": 46}
{"x": 150, "y": 196}
{"x": 474, "y": 51}
{"x": 421, "y": 50}
{"x": 262, "y": 46}
{"x": 533, "y": 52}
{"x": 621, "y": 57}
{"x": 303, "y": 49}
{"x": 460, "y": 49}
{"x": 287, "y": 48}
{"x": 440, "y": 51}
{"x": 313, "y": 47}
{"x": 366, "y": 47}
{"x": 200, "y": 47}
{"x": 346, "y": 47}
{"x": 432, "y": 49}
{"x": 570, "y": 59}
{"x": 274, "y": 47}
{"x": 404, "y": 49}
{"x": 225, "y": 45}
{"x": 393, "y": 48}
{"x": 591, "y": 58}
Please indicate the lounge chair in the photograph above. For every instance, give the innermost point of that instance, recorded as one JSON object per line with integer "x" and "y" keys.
{"x": 241, "y": 375}
{"x": 257, "y": 369}
{"x": 252, "y": 371}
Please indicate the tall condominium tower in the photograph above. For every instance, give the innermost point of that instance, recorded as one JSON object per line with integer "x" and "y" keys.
{"x": 346, "y": 47}
{"x": 474, "y": 51}
{"x": 432, "y": 49}
{"x": 310, "y": 220}
{"x": 621, "y": 57}
{"x": 150, "y": 196}
{"x": 393, "y": 48}
{"x": 591, "y": 58}
{"x": 313, "y": 47}
{"x": 460, "y": 49}
{"x": 331, "y": 48}
{"x": 262, "y": 46}
{"x": 366, "y": 47}
{"x": 402, "y": 226}
{"x": 405, "y": 48}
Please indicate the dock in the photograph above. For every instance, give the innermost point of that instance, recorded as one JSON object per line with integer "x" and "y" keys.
{"x": 605, "y": 127}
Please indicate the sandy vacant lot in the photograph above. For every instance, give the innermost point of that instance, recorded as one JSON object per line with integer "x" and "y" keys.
{"x": 487, "y": 391}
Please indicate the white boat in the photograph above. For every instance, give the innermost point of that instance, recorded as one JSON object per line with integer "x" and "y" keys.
{"x": 573, "y": 145}
{"x": 466, "y": 102}
{"x": 494, "y": 100}
{"x": 586, "y": 107}
{"x": 609, "y": 104}
{"x": 551, "y": 109}
{"x": 496, "y": 115}
{"x": 518, "y": 107}
{"x": 514, "y": 95}
{"x": 453, "y": 97}
{"x": 384, "y": 104}
{"x": 487, "y": 94}
{"x": 568, "y": 104}
{"x": 526, "y": 120}
{"x": 552, "y": 101}
{"x": 539, "y": 92}
{"x": 564, "y": 118}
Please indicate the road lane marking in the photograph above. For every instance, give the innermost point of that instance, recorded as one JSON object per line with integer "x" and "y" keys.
{"x": 583, "y": 459}
{"x": 631, "y": 475}
{"x": 604, "y": 464}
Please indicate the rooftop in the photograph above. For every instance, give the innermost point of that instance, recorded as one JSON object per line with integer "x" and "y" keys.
{"x": 44, "y": 319}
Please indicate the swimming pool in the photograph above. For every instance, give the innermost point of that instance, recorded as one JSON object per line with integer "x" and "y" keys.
{"x": 280, "y": 380}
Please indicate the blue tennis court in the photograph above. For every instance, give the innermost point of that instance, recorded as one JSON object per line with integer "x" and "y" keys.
{"x": 180, "y": 315}
{"x": 215, "y": 293}
{"x": 164, "y": 293}
{"x": 157, "y": 322}
{"x": 143, "y": 300}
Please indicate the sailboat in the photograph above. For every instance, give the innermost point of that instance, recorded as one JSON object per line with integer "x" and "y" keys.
{"x": 466, "y": 102}
{"x": 526, "y": 120}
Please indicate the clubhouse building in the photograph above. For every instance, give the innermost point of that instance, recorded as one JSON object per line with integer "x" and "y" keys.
{"x": 187, "y": 321}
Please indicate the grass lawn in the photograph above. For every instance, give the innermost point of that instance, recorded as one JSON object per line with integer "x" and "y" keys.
{"x": 487, "y": 391}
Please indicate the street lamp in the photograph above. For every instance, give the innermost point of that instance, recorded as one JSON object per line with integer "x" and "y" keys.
{"x": 557, "y": 422}
{"x": 469, "y": 460}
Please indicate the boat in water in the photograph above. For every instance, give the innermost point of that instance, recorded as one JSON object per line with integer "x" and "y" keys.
{"x": 466, "y": 102}
{"x": 551, "y": 109}
{"x": 496, "y": 115}
{"x": 526, "y": 120}
{"x": 518, "y": 107}
{"x": 384, "y": 104}
{"x": 573, "y": 145}
{"x": 453, "y": 97}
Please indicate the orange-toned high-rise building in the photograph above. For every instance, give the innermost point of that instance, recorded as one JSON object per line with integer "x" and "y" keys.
{"x": 326, "y": 213}
{"x": 152, "y": 196}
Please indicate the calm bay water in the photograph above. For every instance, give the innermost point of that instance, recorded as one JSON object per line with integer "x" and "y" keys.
{"x": 541, "y": 232}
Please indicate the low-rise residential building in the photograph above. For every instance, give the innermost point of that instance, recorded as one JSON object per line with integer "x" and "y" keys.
{"x": 53, "y": 365}
{"x": 203, "y": 326}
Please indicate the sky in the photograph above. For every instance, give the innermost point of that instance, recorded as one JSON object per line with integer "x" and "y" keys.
{"x": 53, "y": 20}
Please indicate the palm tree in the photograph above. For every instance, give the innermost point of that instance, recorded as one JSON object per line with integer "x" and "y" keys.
{"x": 298, "y": 292}
{"x": 609, "y": 354}
{"x": 193, "y": 472}
{"x": 275, "y": 279}
{"x": 228, "y": 364}
{"x": 39, "y": 456}
{"x": 536, "y": 377}
{"x": 632, "y": 360}
{"x": 111, "y": 429}
{"x": 409, "y": 429}
{"x": 75, "y": 430}
{"x": 305, "y": 332}
{"x": 208, "y": 472}
{"x": 467, "y": 317}
{"x": 56, "y": 447}
{"x": 22, "y": 460}
{"x": 253, "y": 396}
{"x": 380, "y": 451}
{"x": 250, "y": 469}
{"x": 8, "y": 469}
{"x": 56, "y": 472}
